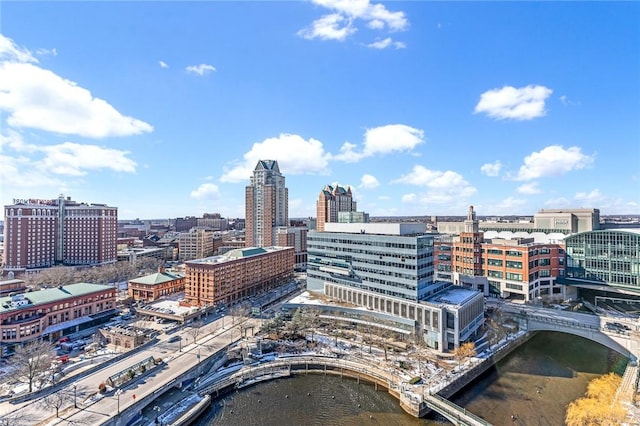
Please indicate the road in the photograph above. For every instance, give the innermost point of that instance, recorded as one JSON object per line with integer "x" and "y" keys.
{"x": 178, "y": 357}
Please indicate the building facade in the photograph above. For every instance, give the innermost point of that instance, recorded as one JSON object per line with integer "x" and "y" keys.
{"x": 196, "y": 243}
{"x": 522, "y": 270}
{"x": 547, "y": 225}
{"x": 266, "y": 205}
{"x": 295, "y": 237}
{"x": 233, "y": 277}
{"x": 331, "y": 201}
{"x": 53, "y": 312}
{"x": 451, "y": 316}
{"x": 155, "y": 286}
{"x": 383, "y": 258}
{"x": 606, "y": 257}
{"x": 44, "y": 233}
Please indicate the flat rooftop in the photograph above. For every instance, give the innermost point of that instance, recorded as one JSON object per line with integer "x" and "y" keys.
{"x": 376, "y": 228}
{"x": 453, "y": 296}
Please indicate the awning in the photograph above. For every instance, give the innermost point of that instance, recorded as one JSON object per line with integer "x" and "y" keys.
{"x": 66, "y": 324}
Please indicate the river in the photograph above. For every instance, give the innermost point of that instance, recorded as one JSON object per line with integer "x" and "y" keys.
{"x": 534, "y": 384}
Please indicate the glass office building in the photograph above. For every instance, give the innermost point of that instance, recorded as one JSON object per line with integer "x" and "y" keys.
{"x": 388, "y": 259}
{"x": 610, "y": 257}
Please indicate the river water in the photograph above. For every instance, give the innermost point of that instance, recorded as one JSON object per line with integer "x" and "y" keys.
{"x": 534, "y": 384}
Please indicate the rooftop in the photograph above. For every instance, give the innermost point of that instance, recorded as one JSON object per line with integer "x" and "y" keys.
{"x": 157, "y": 278}
{"x": 378, "y": 228}
{"x": 235, "y": 254}
{"x": 49, "y": 295}
{"x": 453, "y": 296}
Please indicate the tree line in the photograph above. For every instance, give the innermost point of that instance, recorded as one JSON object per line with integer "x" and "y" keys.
{"x": 105, "y": 274}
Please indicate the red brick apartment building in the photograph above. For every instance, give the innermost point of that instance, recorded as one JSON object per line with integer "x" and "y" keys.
{"x": 43, "y": 233}
{"x": 53, "y": 312}
{"x": 236, "y": 275}
{"x": 154, "y": 286}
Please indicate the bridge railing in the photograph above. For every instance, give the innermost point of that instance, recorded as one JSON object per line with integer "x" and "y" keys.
{"x": 455, "y": 410}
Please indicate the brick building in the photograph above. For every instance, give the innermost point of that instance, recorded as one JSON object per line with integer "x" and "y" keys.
{"x": 44, "y": 233}
{"x": 154, "y": 286}
{"x": 54, "y": 312}
{"x": 231, "y": 278}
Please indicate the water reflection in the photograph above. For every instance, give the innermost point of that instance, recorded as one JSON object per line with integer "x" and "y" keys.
{"x": 532, "y": 386}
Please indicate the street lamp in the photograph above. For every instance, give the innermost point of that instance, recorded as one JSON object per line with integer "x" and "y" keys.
{"x": 75, "y": 404}
{"x": 118, "y": 392}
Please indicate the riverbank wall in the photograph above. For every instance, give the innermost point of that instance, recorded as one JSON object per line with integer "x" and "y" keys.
{"x": 470, "y": 375}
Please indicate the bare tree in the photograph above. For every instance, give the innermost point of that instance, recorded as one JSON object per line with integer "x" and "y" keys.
{"x": 16, "y": 418}
{"x": 194, "y": 330}
{"x": 56, "y": 400}
{"x": 239, "y": 311}
{"x": 31, "y": 361}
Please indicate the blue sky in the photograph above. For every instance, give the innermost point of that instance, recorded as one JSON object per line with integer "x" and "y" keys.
{"x": 163, "y": 109}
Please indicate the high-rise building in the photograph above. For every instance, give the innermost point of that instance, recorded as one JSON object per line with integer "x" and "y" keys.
{"x": 266, "y": 205}
{"x": 333, "y": 200}
{"x": 43, "y": 233}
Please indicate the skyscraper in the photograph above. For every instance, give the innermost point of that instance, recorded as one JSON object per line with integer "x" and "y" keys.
{"x": 266, "y": 205}
{"x": 43, "y": 233}
{"x": 333, "y": 200}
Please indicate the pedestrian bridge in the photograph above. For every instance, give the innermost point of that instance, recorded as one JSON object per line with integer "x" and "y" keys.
{"x": 414, "y": 401}
{"x": 592, "y": 327}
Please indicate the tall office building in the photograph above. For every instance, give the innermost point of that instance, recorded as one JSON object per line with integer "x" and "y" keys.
{"x": 43, "y": 233}
{"x": 394, "y": 259}
{"x": 333, "y": 200}
{"x": 266, "y": 205}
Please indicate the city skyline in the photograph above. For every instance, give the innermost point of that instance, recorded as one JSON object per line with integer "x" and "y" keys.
{"x": 163, "y": 109}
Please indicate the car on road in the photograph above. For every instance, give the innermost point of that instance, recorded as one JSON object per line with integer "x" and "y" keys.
{"x": 173, "y": 339}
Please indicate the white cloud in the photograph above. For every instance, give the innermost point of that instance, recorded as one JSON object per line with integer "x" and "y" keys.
{"x": 24, "y": 162}
{"x": 369, "y": 182}
{"x": 491, "y": 169}
{"x": 9, "y": 51}
{"x": 559, "y": 202}
{"x": 442, "y": 187}
{"x": 509, "y": 204}
{"x": 340, "y": 24}
{"x": 329, "y": 27}
{"x": 376, "y": 24}
{"x": 568, "y": 102}
{"x": 409, "y": 198}
{"x": 383, "y": 140}
{"x": 37, "y": 98}
{"x": 384, "y": 197}
{"x": 594, "y": 197}
{"x": 73, "y": 159}
{"x": 201, "y": 69}
{"x": 553, "y": 160}
{"x": 530, "y": 188}
{"x": 363, "y": 9}
{"x": 46, "y": 52}
{"x": 392, "y": 138}
{"x": 524, "y": 103}
{"x": 295, "y": 156}
{"x": 386, "y": 42}
{"x": 206, "y": 191}
{"x": 163, "y": 64}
